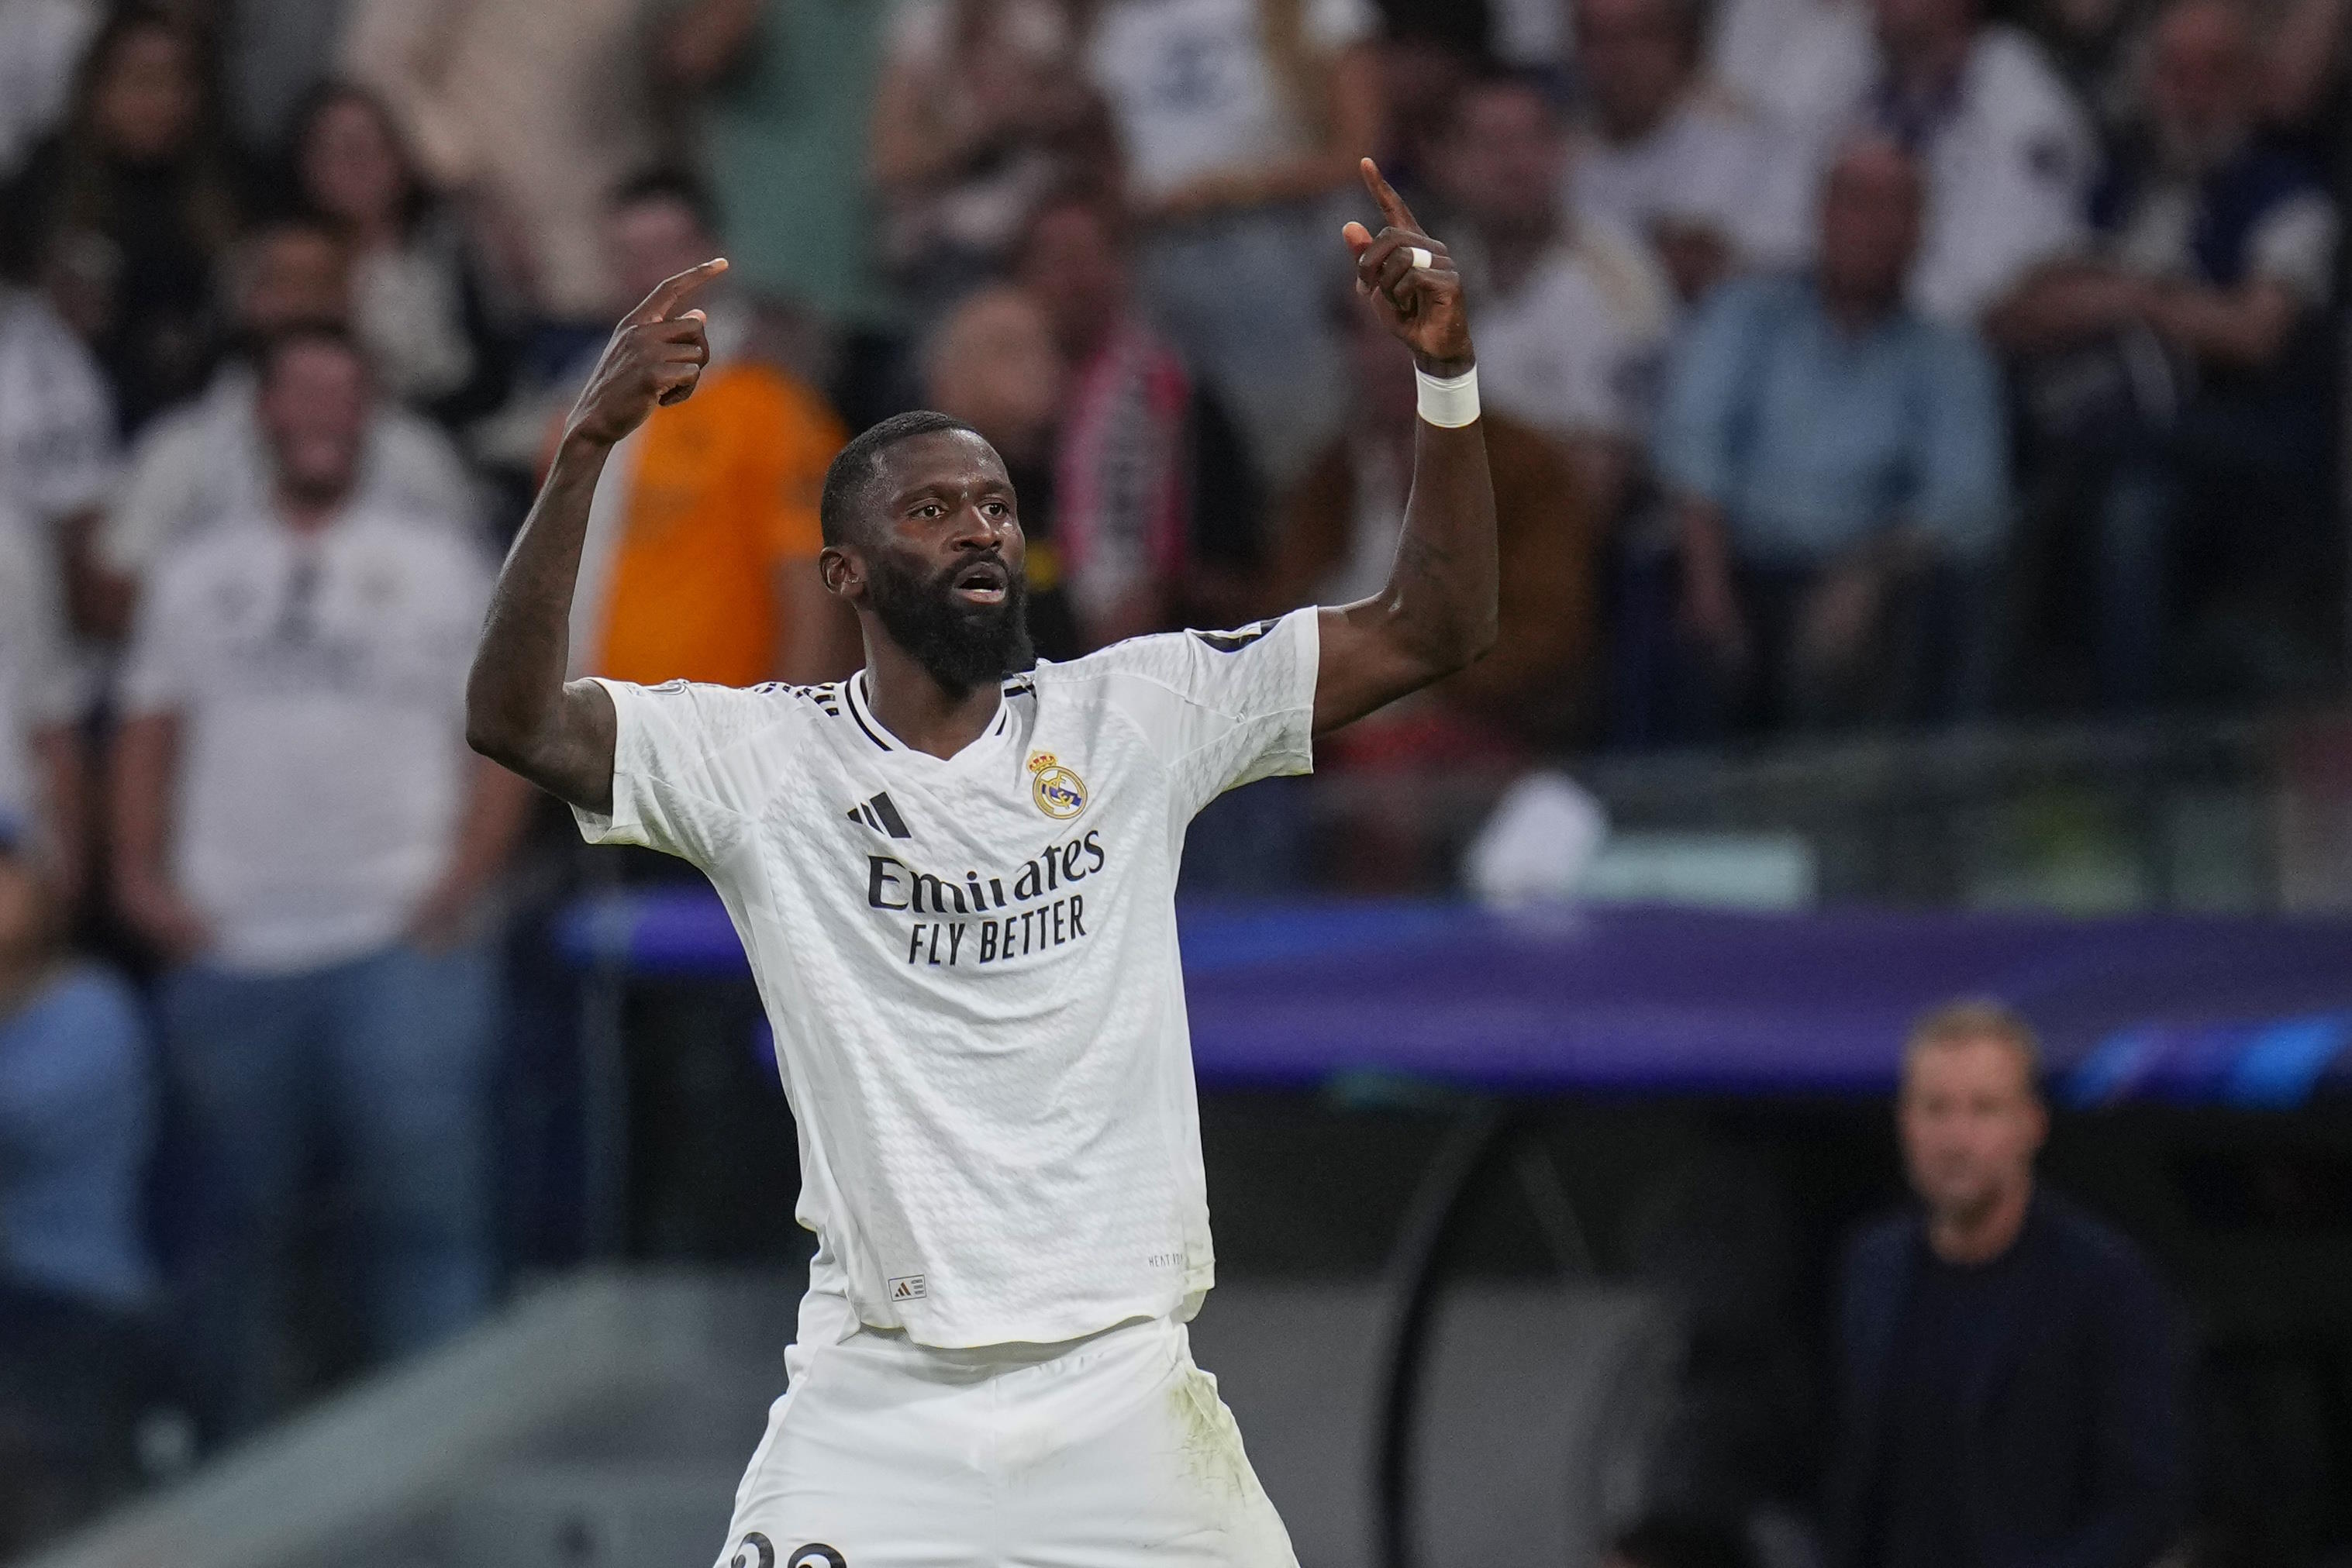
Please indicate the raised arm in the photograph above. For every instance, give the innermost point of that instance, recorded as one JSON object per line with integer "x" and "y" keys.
{"x": 519, "y": 710}
{"x": 1438, "y": 609}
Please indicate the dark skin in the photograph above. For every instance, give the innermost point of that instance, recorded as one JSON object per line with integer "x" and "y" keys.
{"x": 943, "y": 502}
{"x": 940, "y": 500}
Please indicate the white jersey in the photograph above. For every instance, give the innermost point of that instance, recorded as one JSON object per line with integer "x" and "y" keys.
{"x": 57, "y": 453}
{"x": 320, "y": 681}
{"x": 970, "y": 964}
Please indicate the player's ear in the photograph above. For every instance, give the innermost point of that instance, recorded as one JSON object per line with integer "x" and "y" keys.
{"x": 843, "y": 572}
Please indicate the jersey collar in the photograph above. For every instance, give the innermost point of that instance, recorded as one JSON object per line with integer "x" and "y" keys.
{"x": 861, "y": 710}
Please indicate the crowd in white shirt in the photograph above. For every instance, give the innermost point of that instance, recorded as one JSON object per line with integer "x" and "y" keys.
{"x": 2117, "y": 222}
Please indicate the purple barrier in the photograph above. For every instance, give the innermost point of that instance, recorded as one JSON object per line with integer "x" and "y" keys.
{"x": 2237, "y": 1010}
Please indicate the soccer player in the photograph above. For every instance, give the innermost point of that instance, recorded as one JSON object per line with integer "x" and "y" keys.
{"x": 954, "y": 874}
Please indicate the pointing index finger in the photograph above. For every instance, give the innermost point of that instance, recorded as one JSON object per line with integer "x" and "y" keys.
{"x": 670, "y": 290}
{"x": 1393, "y": 212}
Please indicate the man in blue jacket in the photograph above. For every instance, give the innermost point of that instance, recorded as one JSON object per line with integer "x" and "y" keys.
{"x": 2009, "y": 1374}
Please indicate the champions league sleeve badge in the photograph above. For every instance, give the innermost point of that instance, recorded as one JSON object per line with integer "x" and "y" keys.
{"x": 1059, "y": 793}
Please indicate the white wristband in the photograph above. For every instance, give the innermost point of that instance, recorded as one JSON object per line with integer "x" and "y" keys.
{"x": 1448, "y": 402}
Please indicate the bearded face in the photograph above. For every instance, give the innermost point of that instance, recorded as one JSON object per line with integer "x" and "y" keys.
{"x": 967, "y": 622}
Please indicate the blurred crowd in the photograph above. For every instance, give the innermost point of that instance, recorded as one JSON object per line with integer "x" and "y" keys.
{"x": 1846, "y": 363}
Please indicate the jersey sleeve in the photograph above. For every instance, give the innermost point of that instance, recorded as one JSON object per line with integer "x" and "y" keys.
{"x": 166, "y": 468}
{"x": 67, "y": 456}
{"x": 689, "y": 775}
{"x": 158, "y": 675}
{"x": 1222, "y": 708}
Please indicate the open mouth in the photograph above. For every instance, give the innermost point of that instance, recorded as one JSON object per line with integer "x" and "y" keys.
{"x": 982, "y": 583}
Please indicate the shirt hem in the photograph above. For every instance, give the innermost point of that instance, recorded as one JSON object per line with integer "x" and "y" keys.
{"x": 1059, "y": 1330}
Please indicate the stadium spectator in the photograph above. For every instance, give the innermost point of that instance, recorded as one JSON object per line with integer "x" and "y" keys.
{"x": 700, "y": 562}
{"x": 208, "y": 460}
{"x": 1240, "y": 119}
{"x": 1425, "y": 62}
{"x": 1573, "y": 317}
{"x": 301, "y": 834}
{"x": 2007, "y": 1377}
{"x": 60, "y": 455}
{"x": 992, "y": 362}
{"x": 533, "y": 109}
{"x": 275, "y": 54}
{"x": 75, "y": 1123}
{"x": 1802, "y": 64}
{"x": 1714, "y": 187}
{"x": 42, "y": 772}
{"x": 417, "y": 303}
{"x": 782, "y": 105}
{"x": 1154, "y": 513}
{"x": 2009, "y": 156}
{"x": 41, "y": 44}
{"x": 2302, "y": 63}
{"x": 1831, "y": 456}
{"x": 2180, "y": 378}
{"x": 981, "y": 112}
{"x": 2099, "y": 48}
{"x": 58, "y": 451}
{"x": 1338, "y": 532}
{"x": 133, "y": 207}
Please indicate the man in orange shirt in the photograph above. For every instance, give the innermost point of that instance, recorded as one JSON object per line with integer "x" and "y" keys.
{"x": 700, "y": 564}
{"x": 701, "y": 560}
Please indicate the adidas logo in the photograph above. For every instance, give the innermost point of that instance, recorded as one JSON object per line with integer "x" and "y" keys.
{"x": 882, "y": 816}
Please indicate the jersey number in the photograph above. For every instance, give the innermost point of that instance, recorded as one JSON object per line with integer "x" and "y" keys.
{"x": 758, "y": 1552}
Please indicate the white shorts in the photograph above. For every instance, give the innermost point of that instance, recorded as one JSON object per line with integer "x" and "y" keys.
{"x": 1100, "y": 1453}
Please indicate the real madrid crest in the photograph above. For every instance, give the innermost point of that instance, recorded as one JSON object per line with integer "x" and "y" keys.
{"x": 1059, "y": 793}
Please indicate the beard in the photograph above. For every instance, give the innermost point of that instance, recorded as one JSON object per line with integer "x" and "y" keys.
{"x": 962, "y": 645}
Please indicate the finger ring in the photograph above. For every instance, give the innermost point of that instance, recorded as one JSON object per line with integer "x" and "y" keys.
{"x": 1419, "y": 257}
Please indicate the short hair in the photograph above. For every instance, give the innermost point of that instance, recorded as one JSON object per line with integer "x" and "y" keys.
{"x": 665, "y": 184}
{"x": 856, "y": 466}
{"x": 1975, "y": 1018}
{"x": 2234, "y": 10}
{"x": 1110, "y": 215}
{"x": 1690, "y": 17}
{"x": 296, "y": 226}
{"x": 1871, "y": 141}
{"x": 318, "y": 334}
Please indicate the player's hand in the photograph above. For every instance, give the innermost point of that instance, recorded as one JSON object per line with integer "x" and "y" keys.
{"x": 1422, "y": 305}
{"x": 655, "y": 355}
